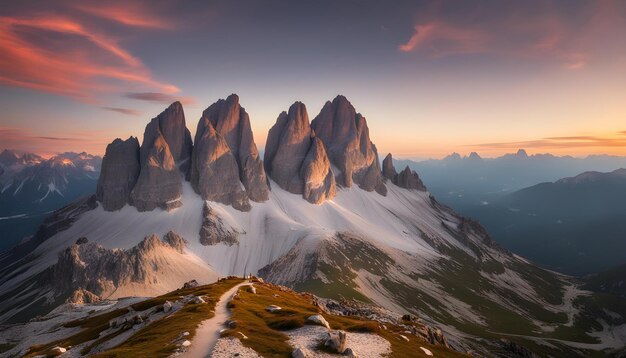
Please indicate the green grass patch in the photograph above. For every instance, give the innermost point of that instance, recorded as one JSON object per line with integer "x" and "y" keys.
{"x": 155, "y": 339}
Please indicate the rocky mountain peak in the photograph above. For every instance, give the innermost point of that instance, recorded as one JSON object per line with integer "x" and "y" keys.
{"x": 214, "y": 171}
{"x": 345, "y": 135}
{"x": 232, "y": 122}
{"x": 409, "y": 179}
{"x": 389, "y": 171}
{"x": 119, "y": 173}
{"x": 159, "y": 183}
{"x": 171, "y": 125}
{"x": 288, "y": 143}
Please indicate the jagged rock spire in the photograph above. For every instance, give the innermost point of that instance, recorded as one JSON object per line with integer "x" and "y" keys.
{"x": 407, "y": 178}
{"x": 296, "y": 160}
{"x": 159, "y": 183}
{"x": 214, "y": 171}
{"x": 232, "y": 122}
{"x": 346, "y": 137}
{"x": 119, "y": 173}
{"x": 171, "y": 125}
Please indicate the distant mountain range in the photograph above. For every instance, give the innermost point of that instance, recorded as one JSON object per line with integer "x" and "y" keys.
{"x": 465, "y": 182}
{"x": 31, "y": 187}
{"x": 574, "y": 225}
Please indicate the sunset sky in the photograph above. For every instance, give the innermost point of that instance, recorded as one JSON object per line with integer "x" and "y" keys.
{"x": 431, "y": 77}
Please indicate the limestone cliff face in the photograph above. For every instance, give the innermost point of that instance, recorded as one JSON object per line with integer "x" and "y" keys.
{"x": 296, "y": 160}
{"x": 214, "y": 172}
{"x": 232, "y": 122}
{"x": 119, "y": 173}
{"x": 345, "y": 135}
{"x": 171, "y": 125}
{"x": 319, "y": 180}
{"x": 160, "y": 182}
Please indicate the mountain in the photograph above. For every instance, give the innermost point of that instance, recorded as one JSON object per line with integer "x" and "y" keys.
{"x": 573, "y": 225}
{"x": 372, "y": 236}
{"x": 465, "y": 182}
{"x": 611, "y": 281}
{"x": 31, "y": 187}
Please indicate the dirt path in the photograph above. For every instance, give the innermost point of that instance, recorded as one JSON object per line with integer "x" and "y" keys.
{"x": 208, "y": 332}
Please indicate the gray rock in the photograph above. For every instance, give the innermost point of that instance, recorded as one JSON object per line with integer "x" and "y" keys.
{"x": 213, "y": 230}
{"x": 91, "y": 270}
{"x": 346, "y": 137}
{"x": 171, "y": 125}
{"x": 159, "y": 183}
{"x": 389, "y": 171}
{"x": 82, "y": 296}
{"x": 56, "y": 351}
{"x": 301, "y": 353}
{"x": 232, "y": 122}
{"x": 175, "y": 241}
{"x": 349, "y": 353}
{"x": 318, "y": 177}
{"x": 287, "y": 145}
{"x": 409, "y": 179}
{"x": 167, "y": 306}
{"x": 120, "y": 170}
{"x": 336, "y": 341}
{"x": 191, "y": 284}
{"x": 214, "y": 170}
{"x": 318, "y": 319}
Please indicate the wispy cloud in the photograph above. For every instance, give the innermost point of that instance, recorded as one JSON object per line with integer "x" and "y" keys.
{"x": 158, "y": 97}
{"x": 519, "y": 31}
{"x": 443, "y": 39}
{"x": 559, "y": 142}
{"x": 127, "y": 111}
{"x": 65, "y": 55}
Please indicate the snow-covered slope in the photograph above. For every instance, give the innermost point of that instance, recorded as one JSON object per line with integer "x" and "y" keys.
{"x": 403, "y": 251}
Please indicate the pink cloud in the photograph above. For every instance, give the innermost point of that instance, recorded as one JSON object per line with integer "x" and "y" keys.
{"x": 442, "y": 39}
{"x": 548, "y": 36}
{"x": 79, "y": 66}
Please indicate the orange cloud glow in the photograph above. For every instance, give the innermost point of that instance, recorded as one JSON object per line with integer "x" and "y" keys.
{"x": 444, "y": 39}
{"x": 83, "y": 63}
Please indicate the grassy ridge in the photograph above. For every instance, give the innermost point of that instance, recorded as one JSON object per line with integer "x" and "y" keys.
{"x": 155, "y": 339}
{"x": 264, "y": 329}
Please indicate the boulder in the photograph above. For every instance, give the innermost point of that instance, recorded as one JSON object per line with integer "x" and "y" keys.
{"x": 56, "y": 351}
{"x": 336, "y": 341}
{"x": 301, "y": 353}
{"x": 214, "y": 171}
{"x": 191, "y": 284}
{"x": 288, "y": 143}
{"x": 319, "y": 180}
{"x": 232, "y": 122}
{"x": 167, "y": 306}
{"x": 186, "y": 343}
{"x": 346, "y": 137}
{"x": 319, "y": 320}
{"x": 273, "y": 308}
{"x": 349, "y": 353}
{"x": 159, "y": 183}
{"x": 197, "y": 300}
{"x": 119, "y": 173}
